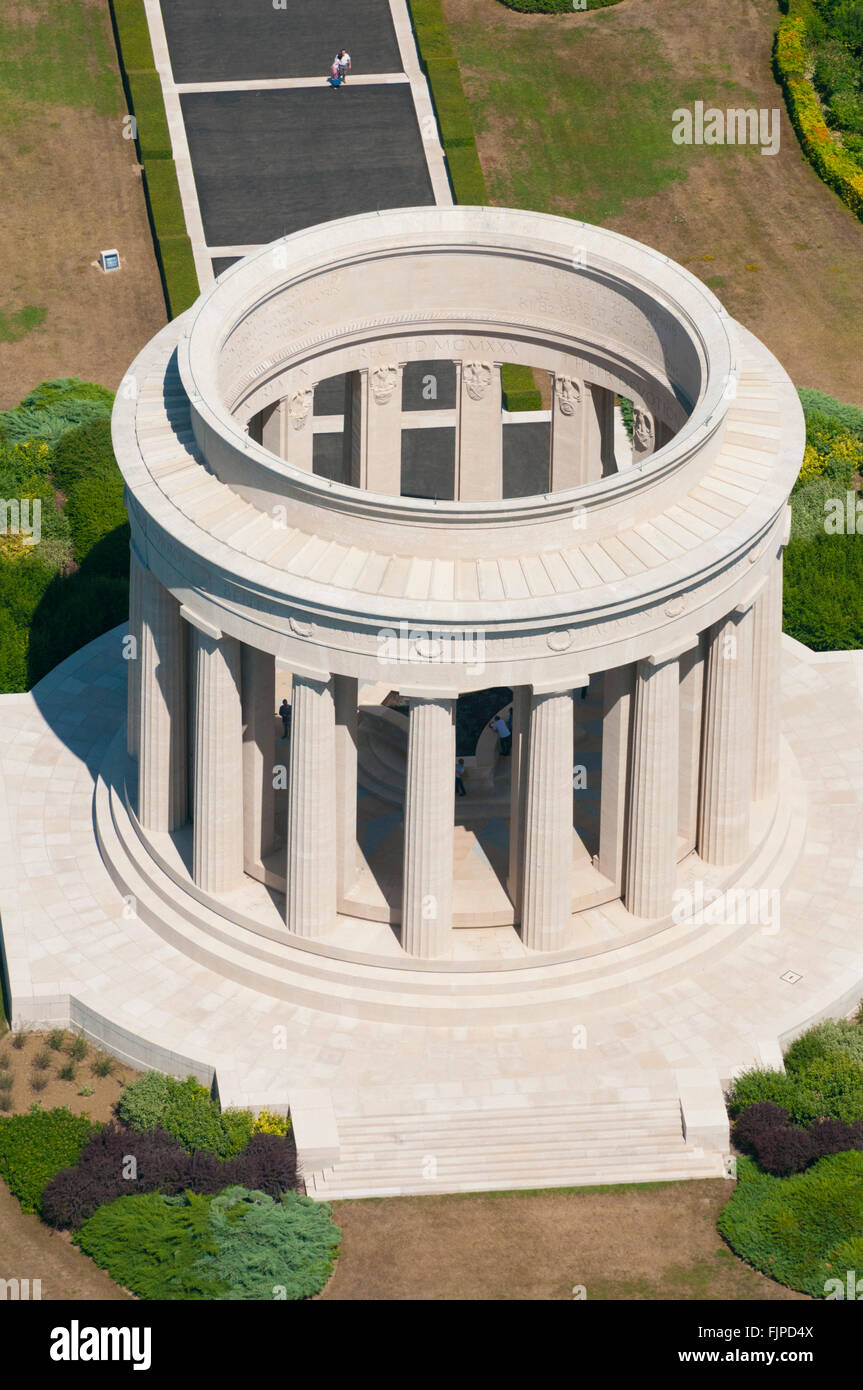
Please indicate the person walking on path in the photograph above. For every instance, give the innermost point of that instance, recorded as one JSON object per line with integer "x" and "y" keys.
{"x": 343, "y": 59}
{"x": 285, "y": 712}
{"x": 504, "y": 735}
{"x": 459, "y": 774}
{"x": 334, "y": 79}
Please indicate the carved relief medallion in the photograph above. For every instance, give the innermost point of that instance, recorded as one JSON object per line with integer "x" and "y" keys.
{"x": 299, "y": 407}
{"x": 477, "y": 379}
{"x": 568, "y": 394}
{"x": 383, "y": 381}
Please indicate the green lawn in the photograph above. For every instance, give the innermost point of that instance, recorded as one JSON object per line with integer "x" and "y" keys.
{"x": 58, "y": 60}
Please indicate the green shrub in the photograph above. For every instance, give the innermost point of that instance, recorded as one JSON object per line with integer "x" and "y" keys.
{"x": 797, "y": 1229}
{"x": 179, "y": 275}
{"x": 55, "y": 407}
{"x": 95, "y": 508}
{"x": 38, "y": 1081}
{"x": 264, "y": 1245}
{"x": 240, "y": 1245}
{"x": 36, "y": 1146}
{"x": 130, "y": 22}
{"x": 760, "y": 1083}
{"x": 67, "y": 1071}
{"x": 831, "y": 1085}
{"x": 42, "y": 1059}
{"x": 6, "y": 1081}
{"x": 78, "y": 1048}
{"x": 818, "y": 403}
{"x": 102, "y": 1066}
{"x": 86, "y": 449}
{"x": 154, "y": 138}
{"x": 153, "y": 1245}
{"x": 77, "y": 608}
{"x": 186, "y": 1110}
{"x": 19, "y": 1041}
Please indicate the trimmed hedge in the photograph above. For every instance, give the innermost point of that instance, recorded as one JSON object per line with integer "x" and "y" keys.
{"x": 519, "y": 388}
{"x": 133, "y": 35}
{"x": 450, "y": 103}
{"x": 466, "y": 176}
{"x": 154, "y": 138}
{"x": 834, "y": 165}
{"x": 430, "y": 29}
{"x": 173, "y": 247}
{"x": 36, "y": 1146}
{"x": 178, "y": 273}
{"x": 163, "y": 194}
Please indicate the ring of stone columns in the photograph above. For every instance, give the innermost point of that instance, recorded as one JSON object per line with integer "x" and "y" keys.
{"x": 629, "y": 583}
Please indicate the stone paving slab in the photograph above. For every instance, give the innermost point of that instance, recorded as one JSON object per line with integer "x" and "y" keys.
{"x": 268, "y": 163}
{"x": 75, "y": 955}
{"x": 252, "y": 38}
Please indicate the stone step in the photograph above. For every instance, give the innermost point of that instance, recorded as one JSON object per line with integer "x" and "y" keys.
{"x": 571, "y": 1175}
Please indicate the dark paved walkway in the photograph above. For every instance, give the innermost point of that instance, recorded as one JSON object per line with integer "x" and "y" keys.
{"x": 239, "y": 40}
{"x": 270, "y": 162}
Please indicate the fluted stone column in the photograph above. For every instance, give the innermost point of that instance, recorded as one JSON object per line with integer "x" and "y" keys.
{"x": 345, "y": 692}
{"x": 162, "y": 798}
{"x": 691, "y": 702}
{"x": 217, "y": 855}
{"x": 427, "y": 872}
{"x": 479, "y": 432}
{"x": 766, "y": 685}
{"x": 643, "y": 434}
{"x": 310, "y": 905}
{"x": 259, "y": 754}
{"x": 652, "y": 837}
{"x": 298, "y": 430}
{"x": 726, "y": 769}
{"x": 133, "y": 664}
{"x": 546, "y": 912}
{"x": 517, "y": 791}
{"x": 602, "y": 400}
{"x": 274, "y": 428}
{"x": 582, "y": 433}
{"x": 373, "y": 428}
{"x": 617, "y": 702}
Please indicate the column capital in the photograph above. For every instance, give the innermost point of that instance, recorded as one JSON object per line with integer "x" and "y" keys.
{"x": 560, "y": 686}
{"x": 195, "y": 620}
{"x": 297, "y": 668}
{"x": 427, "y": 692}
{"x": 673, "y": 650}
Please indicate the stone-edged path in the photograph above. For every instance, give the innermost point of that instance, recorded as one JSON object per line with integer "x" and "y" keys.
{"x": 263, "y": 145}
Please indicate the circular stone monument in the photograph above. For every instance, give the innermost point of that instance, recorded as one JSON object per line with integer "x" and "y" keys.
{"x": 632, "y": 605}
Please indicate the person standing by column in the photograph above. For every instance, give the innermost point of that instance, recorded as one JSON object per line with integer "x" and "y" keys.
{"x": 285, "y": 712}
{"x": 504, "y": 735}
{"x": 459, "y": 775}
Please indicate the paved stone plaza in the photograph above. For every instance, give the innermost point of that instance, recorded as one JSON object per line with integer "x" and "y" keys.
{"x": 511, "y": 982}
{"x": 75, "y": 956}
